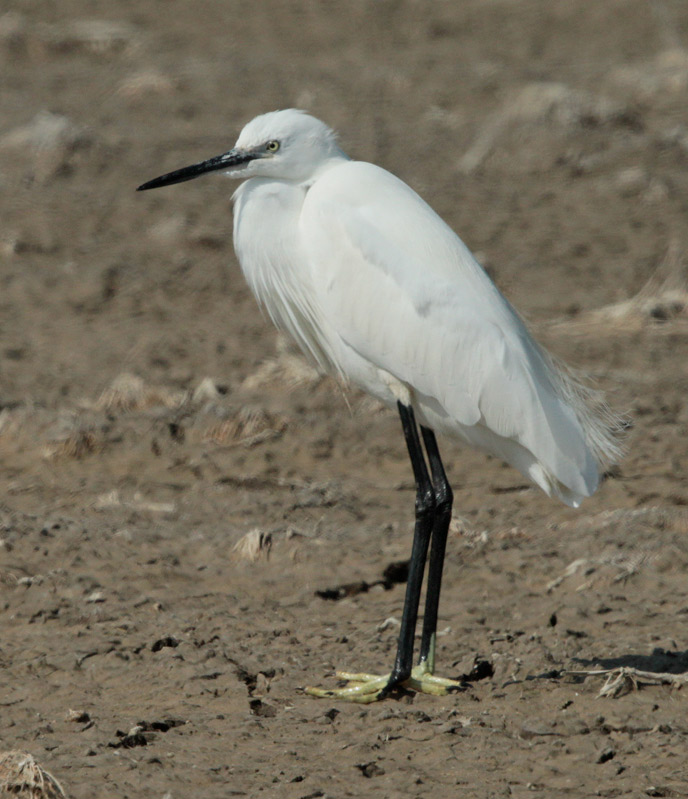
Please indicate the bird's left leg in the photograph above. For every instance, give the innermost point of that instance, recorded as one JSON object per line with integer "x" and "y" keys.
{"x": 444, "y": 497}
{"x": 369, "y": 687}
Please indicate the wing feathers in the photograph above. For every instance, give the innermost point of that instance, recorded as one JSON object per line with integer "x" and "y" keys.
{"x": 402, "y": 290}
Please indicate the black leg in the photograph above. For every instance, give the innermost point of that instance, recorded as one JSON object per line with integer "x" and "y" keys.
{"x": 425, "y": 516}
{"x": 443, "y": 505}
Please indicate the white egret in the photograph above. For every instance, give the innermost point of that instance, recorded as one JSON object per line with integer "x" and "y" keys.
{"x": 378, "y": 291}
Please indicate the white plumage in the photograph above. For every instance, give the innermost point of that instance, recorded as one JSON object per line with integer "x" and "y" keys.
{"x": 377, "y": 290}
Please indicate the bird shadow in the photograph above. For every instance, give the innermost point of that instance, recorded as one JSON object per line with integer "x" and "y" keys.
{"x": 659, "y": 661}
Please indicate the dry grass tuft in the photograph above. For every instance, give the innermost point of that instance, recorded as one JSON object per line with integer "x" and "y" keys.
{"x": 52, "y": 140}
{"x": 206, "y": 391}
{"x": 614, "y": 566}
{"x": 666, "y": 73}
{"x": 661, "y": 304}
{"x": 130, "y": 393}
{"x": 288, "y": 368}
{"x": 254, "y": 545}
{"x": 77, "y": 445}
{"x": 620, "y": 566}
{"x": 11, "y": 420}
{"x": 20, "y": 775}
{"x": 650, "y": 518}
{"x": 625, "y": 679}
{"x": 247, "y": 428}
{"x": 538, "y": 104}
{"x": 98, "y": 37}
{"x": 143, "y": 84}
{"x": 137, "y": 503}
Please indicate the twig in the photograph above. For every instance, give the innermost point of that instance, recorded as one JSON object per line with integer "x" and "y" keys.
{"x": 624, "y": 679}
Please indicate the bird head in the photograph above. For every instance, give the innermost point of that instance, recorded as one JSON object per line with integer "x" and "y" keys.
{"x": 283, "y": 145}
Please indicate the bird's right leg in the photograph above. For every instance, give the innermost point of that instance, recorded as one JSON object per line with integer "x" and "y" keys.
{"x": 444, "y": 498}
{"x": 370, "y": 687}
{"x": 424, "y": 671}
{"x": 425, "y": 518}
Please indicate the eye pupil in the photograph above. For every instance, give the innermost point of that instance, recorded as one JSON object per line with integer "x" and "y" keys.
{"x": 273, "y": 146}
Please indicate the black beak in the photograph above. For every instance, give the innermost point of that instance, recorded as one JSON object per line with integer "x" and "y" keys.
{"x": 225, "y": 161}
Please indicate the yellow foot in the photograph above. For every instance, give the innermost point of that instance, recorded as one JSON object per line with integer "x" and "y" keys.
{"x": 366, "y": 688}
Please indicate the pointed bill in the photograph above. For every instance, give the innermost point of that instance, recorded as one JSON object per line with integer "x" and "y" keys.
{"x": 225, "y": 161}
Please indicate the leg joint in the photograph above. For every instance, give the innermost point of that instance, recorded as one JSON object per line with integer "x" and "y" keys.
{"x": 426, "y": 502}
{"x": 444, "y": 497}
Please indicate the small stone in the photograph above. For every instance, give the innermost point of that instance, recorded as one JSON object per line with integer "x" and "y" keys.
{"x": 606, "y": 754}
{"x": 631, "y": 181}
{"x": 78, "y": 716}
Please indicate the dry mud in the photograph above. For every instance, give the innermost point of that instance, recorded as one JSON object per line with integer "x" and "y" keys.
{"x": 151, "y": 421}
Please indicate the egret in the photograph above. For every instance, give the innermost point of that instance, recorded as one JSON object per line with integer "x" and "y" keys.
{"x": 378, "y": 291}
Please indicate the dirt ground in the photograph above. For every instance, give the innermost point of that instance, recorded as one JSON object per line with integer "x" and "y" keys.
{"x": 151, "y": 421}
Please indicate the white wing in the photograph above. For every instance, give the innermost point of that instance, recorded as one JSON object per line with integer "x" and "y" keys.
{"x": 399, "y": 288}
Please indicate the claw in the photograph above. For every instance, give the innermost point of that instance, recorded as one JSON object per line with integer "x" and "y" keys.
{"x": 365, "y": 688}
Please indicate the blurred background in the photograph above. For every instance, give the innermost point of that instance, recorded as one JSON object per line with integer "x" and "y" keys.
{"x": 553, "y": 140}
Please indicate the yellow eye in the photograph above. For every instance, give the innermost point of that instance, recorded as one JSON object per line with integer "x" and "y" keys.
{"x": 272, "y": 146}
